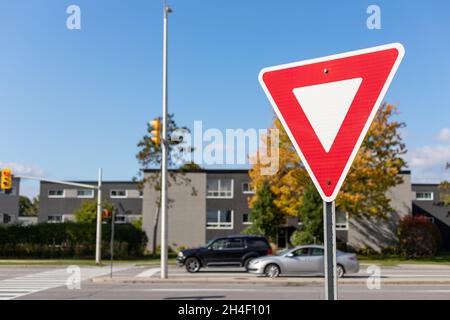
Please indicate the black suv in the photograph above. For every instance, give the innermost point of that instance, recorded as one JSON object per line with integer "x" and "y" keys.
{"x": 225, "y": 251}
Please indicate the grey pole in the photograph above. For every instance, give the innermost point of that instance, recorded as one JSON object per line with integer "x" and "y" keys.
{"x": 164, "y": 147}
{"x": 111, "y": 248}
{"x": 98, "y": 242}
{"x": 329, "y": 224}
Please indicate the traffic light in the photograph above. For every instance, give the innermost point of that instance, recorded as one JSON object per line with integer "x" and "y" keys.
{"x": 156, "y": 131}
{"x": 106, "y": 214}
{"x": 6, "y": 179}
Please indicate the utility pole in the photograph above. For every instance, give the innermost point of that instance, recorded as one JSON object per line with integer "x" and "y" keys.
{"x": 164, "y": 147}
{"x": 98, "y": 242}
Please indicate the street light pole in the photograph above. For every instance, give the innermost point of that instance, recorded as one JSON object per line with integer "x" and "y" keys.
{"x": 98, "y": 242}
{"x": 164, "y": 150}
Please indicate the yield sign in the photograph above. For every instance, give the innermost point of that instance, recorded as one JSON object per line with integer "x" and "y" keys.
{"x": 326, "y": 106}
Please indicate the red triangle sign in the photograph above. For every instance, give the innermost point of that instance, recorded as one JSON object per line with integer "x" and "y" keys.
{"x": 326, "y": 106}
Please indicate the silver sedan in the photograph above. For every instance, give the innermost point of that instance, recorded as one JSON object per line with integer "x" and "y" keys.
{"x": 302, "y": 260}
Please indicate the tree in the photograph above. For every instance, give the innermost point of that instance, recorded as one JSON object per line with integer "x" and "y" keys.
{"x": 311, "y": 218}
{"x": 265, "y": 216}
{"x": 375, "y": 170}
{"x": 27, "y": 207}
{"x": 87, "y": 211}
{"x": 444, "y": 196}
{"x": 418, "y": 237}
{"x": 149, "y": 156}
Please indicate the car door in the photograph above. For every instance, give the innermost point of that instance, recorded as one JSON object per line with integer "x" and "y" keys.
{"x": 316, "y": 260}
{"x": 215, "y": 253}
{"x": 235, "y": 250}
{"x": 296, "y": 261}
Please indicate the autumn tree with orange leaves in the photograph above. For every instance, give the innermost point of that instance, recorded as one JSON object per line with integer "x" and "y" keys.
{"x": 374, "y": 171}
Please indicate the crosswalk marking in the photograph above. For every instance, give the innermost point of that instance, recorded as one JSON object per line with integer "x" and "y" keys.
{"x": 21, "y": 286}
{"x": 149, "y": 273}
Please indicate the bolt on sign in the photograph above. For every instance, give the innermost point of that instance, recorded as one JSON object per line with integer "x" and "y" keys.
{"x": 327, "y": 105}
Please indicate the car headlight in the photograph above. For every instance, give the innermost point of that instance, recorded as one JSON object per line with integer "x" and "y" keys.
{"x": 180, "y": 254}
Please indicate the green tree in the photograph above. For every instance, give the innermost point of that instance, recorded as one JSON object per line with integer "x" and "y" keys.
{"x": 87, "y": 211}
{"x": 149, "y": 157}
{"x": 311, "y": 217}
{"x": 266, "y": 217}
{"x": 27, "y": 207}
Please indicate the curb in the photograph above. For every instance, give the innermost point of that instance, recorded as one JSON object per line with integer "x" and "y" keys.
{"x": 265, "y": 281}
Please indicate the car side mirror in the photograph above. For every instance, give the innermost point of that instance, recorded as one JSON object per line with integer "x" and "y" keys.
{"x": 290, "y": 254}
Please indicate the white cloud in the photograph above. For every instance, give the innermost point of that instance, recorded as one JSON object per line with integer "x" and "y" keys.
{"x": 444, "y": 135}
{"x": 23, "y": 169}
{"x": 428, "y": 163}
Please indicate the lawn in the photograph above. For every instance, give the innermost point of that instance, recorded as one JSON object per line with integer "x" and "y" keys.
{"x": 440, "y": 259}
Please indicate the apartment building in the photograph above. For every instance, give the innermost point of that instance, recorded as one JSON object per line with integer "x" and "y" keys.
{"x": 206, "y": 204}
{"x": 429, "y": 201}
{"x": 9, "y": 203}
{"x": 58, "y": 202}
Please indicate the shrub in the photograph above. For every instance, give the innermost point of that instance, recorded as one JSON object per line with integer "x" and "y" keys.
{"x": 302, "y": 238}
{"x": 68, "y": 240}
{"x": 367, "y": 252}
{"x": 418, "y": 237}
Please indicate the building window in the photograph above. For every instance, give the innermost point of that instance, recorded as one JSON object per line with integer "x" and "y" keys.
{"x": 424, "y": 195}
{"x": 341, "y": 221}
{"x": 54, "y": 219}
{"x": 118, "y": 193}
{"x": 219, "y": 219}
{"x": 85, "y": 193}
{"x": 247, "y": 188}
{"x": 59, "y": 193}
{"x": 219, "y": 188}
{"x": 246, "y": 218}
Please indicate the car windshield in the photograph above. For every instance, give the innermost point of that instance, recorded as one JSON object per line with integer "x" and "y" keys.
{"x": 210, "y": 243}
{"x": 282, "y": 252}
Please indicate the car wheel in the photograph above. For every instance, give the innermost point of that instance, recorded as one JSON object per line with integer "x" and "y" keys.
{"x": 192, "y": 265}
{"x": 340, "y": 271}
{"x": 247, "y": 262}
{"x": 272, "y": 271}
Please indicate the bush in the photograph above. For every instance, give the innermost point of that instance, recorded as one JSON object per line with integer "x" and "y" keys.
{"x": 302, "y": 238}
{"x": 418, "y": 237}
{"x": 367, "y": 252}
{"x": 68, "y": 240}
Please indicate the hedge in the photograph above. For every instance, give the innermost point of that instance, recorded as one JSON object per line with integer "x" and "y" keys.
{"x": 418, "y": 237}
{"x": 69, "y": 240}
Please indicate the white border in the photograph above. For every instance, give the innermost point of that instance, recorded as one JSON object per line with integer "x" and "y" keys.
{"x": 401, "y": 53}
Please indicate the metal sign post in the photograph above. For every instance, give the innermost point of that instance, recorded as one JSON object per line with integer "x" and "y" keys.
{"x": 329, "y": 227}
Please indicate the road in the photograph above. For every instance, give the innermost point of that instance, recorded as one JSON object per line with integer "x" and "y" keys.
{"x": 51, "y": 283}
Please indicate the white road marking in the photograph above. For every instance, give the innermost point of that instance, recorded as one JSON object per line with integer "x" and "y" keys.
{"x": 21, "y": 286}
{"x": 148, "y": 273}
{"x": 196, "y": 290}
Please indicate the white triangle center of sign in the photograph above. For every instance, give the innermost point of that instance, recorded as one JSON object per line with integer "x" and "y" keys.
{"x": 326, "y": 105}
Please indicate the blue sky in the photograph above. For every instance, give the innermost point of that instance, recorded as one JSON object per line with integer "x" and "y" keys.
{"x": 75, "y": 100}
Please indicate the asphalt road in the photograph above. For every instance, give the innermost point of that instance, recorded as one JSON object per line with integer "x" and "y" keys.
{"x": 52, "y": 283}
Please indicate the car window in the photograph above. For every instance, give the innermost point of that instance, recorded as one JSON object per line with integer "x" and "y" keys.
{"x": 235, "y": 243}
{"x": 300, "y": 252}
{"x": 257, "y": 243}
{"x": 316, "y": 252}
{"x": 219, "y": 244}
